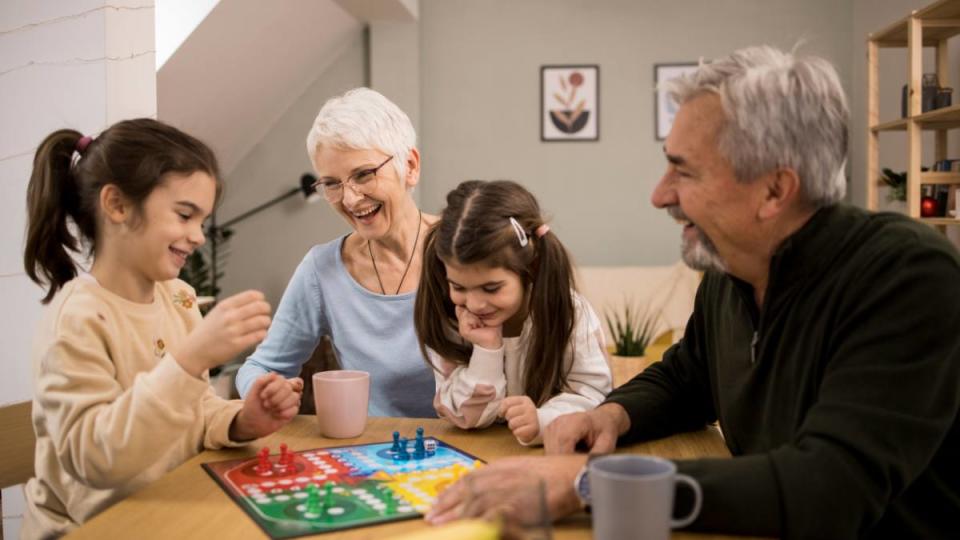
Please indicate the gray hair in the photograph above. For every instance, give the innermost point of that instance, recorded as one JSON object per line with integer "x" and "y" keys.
{"x": 781, "y": 111}
{"x": 363, "y": 119}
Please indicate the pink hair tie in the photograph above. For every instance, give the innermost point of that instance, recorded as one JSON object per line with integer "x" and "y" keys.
{"x": 542, "y": 230}
{"x": 82, "y": 144}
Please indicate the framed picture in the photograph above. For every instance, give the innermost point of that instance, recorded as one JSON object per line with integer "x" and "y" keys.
{"x": 665, "y": 108}
{"x": 569, "y": 103}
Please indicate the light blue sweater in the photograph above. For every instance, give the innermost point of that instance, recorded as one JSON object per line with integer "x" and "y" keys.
{"x": 370, "y": 332}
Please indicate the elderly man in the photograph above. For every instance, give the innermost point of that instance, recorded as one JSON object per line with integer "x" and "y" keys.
{"x": 824, "y": 338}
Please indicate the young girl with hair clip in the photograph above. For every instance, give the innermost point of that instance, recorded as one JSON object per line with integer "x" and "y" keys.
{"x": 498, "y": 317}
{"x": 121, "y": 391}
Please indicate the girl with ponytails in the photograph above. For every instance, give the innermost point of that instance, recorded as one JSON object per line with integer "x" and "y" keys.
{"x": 121, "y": 391}
{"x": 498, "y": 317}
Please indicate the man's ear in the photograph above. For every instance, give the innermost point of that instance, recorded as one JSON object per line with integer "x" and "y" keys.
{"x": 782, "y": 191}
{"x": 413, "y": 169}
{"x": 114, "y": 206}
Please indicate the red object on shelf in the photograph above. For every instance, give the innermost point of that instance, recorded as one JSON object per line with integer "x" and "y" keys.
{"x": 929, "y": 207}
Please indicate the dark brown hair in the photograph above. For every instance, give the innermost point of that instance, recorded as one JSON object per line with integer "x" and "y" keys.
{"x": 475, "y": 228}
{"x": 134, "y": 155}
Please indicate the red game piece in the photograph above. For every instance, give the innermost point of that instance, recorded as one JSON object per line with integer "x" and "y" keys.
{"x": 263, "y": 466}
{"x": 285, "y": 456}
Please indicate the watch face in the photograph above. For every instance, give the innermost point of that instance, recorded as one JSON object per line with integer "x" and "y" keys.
{"x": 582, "y": 483}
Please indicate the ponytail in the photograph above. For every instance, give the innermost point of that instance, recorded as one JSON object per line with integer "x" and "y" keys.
{"x": 52, "y": 196}
{"x": 553, "y": 317}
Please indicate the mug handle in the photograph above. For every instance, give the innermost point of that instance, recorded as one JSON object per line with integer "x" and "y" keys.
{"x": 697, "y": 503}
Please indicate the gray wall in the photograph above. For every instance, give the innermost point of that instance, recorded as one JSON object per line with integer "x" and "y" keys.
{"x": 267, "y": 247}
{"x": 480, "y": 69}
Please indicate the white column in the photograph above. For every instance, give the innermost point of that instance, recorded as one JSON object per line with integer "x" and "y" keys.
{"x": 82, "y": 64}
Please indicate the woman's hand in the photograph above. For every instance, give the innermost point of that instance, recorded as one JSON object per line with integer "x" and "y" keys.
{"x": 233, "y": 326}
{"x": 271, "y": 403}
{"x": 521, "y": 416}
{"x": 475, "y": 331}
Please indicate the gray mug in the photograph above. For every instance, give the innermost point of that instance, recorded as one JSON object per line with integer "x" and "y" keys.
{"x": 632, "y": 497}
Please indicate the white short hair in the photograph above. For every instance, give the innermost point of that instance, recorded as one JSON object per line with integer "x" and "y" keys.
{"x": 363, "y": 119}
{"x": 781, "y": 111}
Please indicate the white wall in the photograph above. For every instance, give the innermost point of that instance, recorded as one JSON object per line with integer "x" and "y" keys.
{"x": 480, "y": 69}
{"x": 77, "y": 64}
{"x": 267, "y": 247}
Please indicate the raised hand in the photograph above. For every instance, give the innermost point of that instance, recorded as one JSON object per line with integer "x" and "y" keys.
{"x": 270, "y": 404}
{"x": 475, "y": 331}
{"x": 521, "y": 415}
{"x": 234, "y": 325}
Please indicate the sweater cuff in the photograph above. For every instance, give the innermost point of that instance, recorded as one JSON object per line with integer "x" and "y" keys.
{"x": 218, "y": 432}
{"x": 485, "y": 364}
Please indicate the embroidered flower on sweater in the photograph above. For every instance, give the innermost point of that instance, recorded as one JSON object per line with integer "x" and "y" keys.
{"x": 159, "y": 348}
{"x": 185, "y": 299}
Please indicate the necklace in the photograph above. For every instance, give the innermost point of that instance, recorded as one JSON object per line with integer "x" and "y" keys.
{"x": 409, "y": 262}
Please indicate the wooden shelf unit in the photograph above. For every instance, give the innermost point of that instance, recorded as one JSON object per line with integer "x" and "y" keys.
{"x": 931, "y": 26}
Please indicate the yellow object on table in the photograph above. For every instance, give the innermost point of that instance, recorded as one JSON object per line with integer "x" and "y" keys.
{"x": 465, "y": 529}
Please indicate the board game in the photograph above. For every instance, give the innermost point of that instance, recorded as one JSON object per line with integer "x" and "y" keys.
{"x": 331, "y": 489}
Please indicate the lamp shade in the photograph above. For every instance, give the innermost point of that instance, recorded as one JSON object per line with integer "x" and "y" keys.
{"x": 307, "y": 186}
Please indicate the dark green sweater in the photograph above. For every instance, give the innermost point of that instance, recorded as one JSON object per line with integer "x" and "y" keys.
{"x": 842, "y": 415}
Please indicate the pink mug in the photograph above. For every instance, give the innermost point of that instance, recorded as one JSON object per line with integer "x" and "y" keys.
{"x": 341, "y": 398}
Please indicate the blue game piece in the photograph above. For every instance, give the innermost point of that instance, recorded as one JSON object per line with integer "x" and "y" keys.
{"x": 396, "y": 442}
{"x": 419, "y": 452}
{"x": 403, "y": 454}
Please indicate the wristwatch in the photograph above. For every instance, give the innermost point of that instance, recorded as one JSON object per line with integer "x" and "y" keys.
{"x": 581, "y": 486}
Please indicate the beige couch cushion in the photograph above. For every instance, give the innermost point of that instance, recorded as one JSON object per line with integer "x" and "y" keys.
{"x": 669, "y": 289}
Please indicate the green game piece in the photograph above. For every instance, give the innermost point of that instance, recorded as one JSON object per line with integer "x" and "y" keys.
{"x": 328, "y": 494}
{"x": 313, "y": 499}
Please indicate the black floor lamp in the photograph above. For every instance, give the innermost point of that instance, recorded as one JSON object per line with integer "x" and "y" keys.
{"x": 215, "y": 232}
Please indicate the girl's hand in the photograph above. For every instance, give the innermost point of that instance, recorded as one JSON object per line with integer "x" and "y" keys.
{"x": 473, "y": 330}
{"x": 234, "y": 325}
{"x": 280, "y": 394}
{"x": 521, "y": 416}
{"x": 261, "y": 416}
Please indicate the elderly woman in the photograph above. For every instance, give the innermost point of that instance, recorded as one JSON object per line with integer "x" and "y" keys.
{"x": 359, "y": 289}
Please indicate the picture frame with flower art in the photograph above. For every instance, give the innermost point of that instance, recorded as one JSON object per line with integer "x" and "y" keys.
{"x": 569, "y": 103}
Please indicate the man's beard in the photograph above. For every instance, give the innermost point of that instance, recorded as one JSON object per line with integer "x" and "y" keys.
{"x": 699, "y": 254}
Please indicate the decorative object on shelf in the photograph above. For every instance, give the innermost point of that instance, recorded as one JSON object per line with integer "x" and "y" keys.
{"x": 929, "y": 207}
{"x": 897, "y": 183}
{"x": 944, "y": 97}
{"x": 570, "y": 103}
{"x": 632, "y": 329}
{"x": 665, "y": 108}
{"x": 933, "y": 96}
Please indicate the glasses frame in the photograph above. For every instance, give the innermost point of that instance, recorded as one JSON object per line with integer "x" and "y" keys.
{"x": 352, "y": 181}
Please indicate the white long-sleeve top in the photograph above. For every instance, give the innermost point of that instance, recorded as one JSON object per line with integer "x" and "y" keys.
{"x": 470, "y": 395}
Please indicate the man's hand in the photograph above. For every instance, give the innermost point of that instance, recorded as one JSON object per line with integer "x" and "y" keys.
{"x": 511, "y": 488}
{"x": 598, "y": 429}
{"x": 270, "y": 404}
{"x": 521, "y": 416}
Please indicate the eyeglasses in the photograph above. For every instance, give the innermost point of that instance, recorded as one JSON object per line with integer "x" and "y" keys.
{"x": 363, "y": 182}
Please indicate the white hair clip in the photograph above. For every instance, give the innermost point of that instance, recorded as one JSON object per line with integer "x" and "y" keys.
{"x": 521, "y": 234}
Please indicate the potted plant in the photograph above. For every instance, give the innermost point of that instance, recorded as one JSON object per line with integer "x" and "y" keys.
{"x": 633, "y": 330}
{"x": 897, "y": 183}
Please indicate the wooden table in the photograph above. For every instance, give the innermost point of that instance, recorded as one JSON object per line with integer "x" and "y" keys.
{"x": 187, "y": 503}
